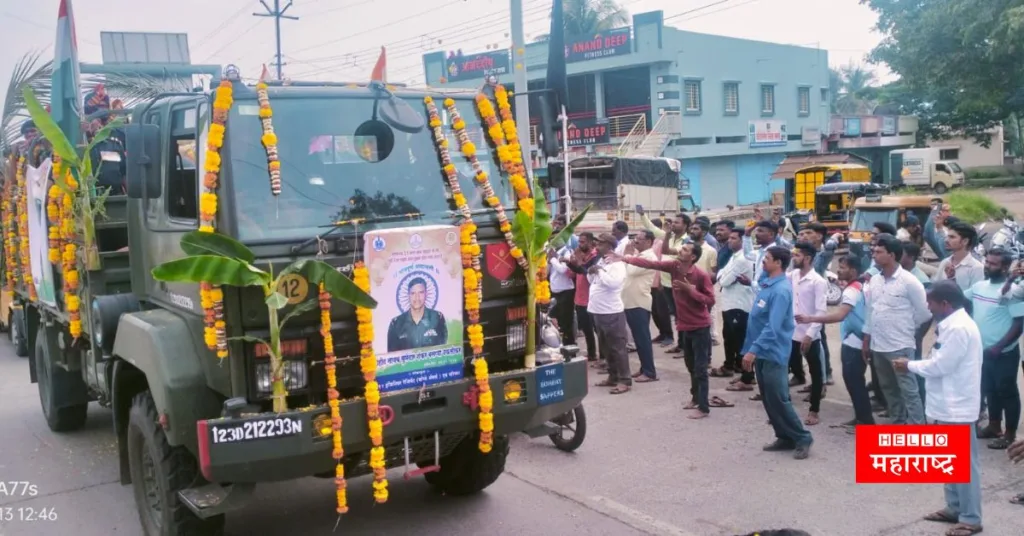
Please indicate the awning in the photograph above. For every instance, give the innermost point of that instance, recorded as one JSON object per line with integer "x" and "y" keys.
{"x": 788, "y": 168}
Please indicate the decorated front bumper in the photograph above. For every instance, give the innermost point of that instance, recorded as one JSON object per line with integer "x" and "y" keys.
{"x": 281, "y": 446}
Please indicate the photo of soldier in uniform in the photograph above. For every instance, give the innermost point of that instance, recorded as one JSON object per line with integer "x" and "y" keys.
{"x": 419, "y": 326}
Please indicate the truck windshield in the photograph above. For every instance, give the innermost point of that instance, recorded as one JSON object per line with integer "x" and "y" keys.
{"x": 338, "y": 164}
{"x": 864, "y": 220}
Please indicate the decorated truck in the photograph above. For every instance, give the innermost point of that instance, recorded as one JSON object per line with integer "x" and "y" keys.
{"x": 299, "y": 279}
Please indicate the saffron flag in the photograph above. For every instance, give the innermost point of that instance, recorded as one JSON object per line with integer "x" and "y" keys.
{"x": 380, "y": 70}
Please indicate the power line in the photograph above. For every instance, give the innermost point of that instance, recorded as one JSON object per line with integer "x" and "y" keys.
{"x": 726, "y": 8}
{"x": 234, "y": 40}
{"x": 278, "y": 13}
{"x": 697, "y": 9}
{"x": 230, "y": 19}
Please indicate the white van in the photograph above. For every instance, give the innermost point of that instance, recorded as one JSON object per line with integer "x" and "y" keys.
{"x": 922, "y": 168}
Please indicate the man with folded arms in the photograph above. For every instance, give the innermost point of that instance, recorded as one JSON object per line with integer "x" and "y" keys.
{"x": 953, "y": 373}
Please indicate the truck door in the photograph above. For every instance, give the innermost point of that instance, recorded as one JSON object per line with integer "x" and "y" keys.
{"x": 942, "y": 177}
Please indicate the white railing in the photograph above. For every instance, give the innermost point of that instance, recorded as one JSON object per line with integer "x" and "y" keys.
{"x": 669, "y": 126}
{"x": 635, "y": 137}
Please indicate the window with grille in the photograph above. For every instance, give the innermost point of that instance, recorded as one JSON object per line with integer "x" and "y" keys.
{"x": 767, "y": 99}
{"x": 732, "y": 98}
{"x": 804, "y": 100}
{"x": 692, "y": 88}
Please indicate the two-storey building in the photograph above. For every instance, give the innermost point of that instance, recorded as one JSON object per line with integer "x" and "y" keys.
{"x": 729, "y": 109}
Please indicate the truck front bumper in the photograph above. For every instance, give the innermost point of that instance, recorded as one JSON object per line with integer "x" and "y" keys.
{"x": 282, "y": 446}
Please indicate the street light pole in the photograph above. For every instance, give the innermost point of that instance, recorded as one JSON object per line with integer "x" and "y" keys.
{"x": 522, "y": 104}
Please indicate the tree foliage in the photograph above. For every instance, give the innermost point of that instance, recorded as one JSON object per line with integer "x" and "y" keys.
{"x": 961, "y": 58}
{"x": 588, "y": 17}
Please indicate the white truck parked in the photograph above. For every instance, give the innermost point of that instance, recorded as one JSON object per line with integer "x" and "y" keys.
{"x": 924, "y": 168}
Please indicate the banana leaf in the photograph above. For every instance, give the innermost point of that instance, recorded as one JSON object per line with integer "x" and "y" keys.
{"x": 336, "y": 284}
{"x": 212, "y": 269}
{"x": 523, "y": 232}
{"x": 541, "y": 219}
{"x": 200, "y": 243}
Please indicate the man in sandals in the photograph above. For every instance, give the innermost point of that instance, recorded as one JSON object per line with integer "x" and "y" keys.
{"x": 694, "y": 295}
{"x": 1001, "y": 323}
{"x": 766, "y": 352}
{"x": 953, "y": 373}
{"x": 607, "y": 279}
{"x": 636, "y": 297}
{"x": 1016, "y": 454}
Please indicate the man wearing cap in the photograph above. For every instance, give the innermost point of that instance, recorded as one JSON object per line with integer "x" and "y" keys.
{"x": 607, "y": 278}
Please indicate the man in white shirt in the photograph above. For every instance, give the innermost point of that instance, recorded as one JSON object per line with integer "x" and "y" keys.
{"x": 607, "y": 279}
{"x": 637, "y": 299}
{"x": 961, "y": 265}
{"x": 809, "y": 299}
{"x": 620, "y": 230}
{"x": 735, "y": 302}
{"x": 953, "y": 373}
{"x": 895, "y": 306}
{"x": 563, "y": 290}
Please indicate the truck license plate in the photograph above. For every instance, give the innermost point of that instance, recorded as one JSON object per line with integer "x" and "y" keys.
{"x": 256, "y": 429}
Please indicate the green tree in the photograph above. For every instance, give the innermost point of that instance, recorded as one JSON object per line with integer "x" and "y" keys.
{"x": 961, "y": 57}
{"x": 856, "y": 84}
{"x": 588, "y": 17}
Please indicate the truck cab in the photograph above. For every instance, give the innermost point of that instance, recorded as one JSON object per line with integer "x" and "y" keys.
{"x": 349, "y": 152}
{"x": 924, "y": 169}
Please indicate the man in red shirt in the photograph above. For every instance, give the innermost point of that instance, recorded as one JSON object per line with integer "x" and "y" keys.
{"x": 581, "y": 260}
{"x": 694, "y": 294}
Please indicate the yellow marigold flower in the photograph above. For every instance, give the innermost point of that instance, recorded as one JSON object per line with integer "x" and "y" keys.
{"x": 526, "y": 205}
{"x": 517, "y": 253}
{"x": 449, "y": 102}
{"x": 459, "y": 199}
{"x": 269, "y": 139}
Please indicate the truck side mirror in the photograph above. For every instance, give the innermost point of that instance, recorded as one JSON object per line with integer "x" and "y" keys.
{"x": 142, "y": 171}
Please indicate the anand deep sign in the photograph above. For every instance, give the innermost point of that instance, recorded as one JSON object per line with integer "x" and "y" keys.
{"x": 585, "y": 132}
{"x": 476, "y": 66}
{"x": 605, "y": 44}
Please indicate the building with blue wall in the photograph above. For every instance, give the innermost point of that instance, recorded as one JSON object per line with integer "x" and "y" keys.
{"x": 738, "y": 106}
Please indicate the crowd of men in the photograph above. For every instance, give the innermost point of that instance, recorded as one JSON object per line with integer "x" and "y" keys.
{"x": 771, "y": 301}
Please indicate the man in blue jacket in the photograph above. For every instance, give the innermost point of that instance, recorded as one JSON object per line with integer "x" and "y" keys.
{"x": 766, "y": 351}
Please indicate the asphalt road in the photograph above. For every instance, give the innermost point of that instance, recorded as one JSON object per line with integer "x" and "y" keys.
{"x": 644, "y": 469}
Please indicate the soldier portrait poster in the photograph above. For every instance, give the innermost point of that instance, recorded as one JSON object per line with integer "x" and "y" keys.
{"x": 416, "y": 278}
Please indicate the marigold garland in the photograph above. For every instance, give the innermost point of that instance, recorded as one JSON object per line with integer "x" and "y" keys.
{"x": 24, "y": 255}
{"x": 333, "y": 400}
{"x": 67, "y": 249}
{"x": 53, "y": 214}
{"x": 472, "y": 276}
{"x": 10, "y": 236}
{"x": 490, "y": 197}
{"x": 269, "y": 139}
{"x": 368, "y": 365}
{"x": 211, "y": 297}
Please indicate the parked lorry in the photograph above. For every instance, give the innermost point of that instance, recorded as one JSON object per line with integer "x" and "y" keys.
{"x": 614, "y": 186}
{"x": 353, "y": 152}
{"x": 924, "y": 169}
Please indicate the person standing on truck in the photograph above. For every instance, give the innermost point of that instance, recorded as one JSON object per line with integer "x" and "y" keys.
{"x": 607, "y": 278}
{"x": 694, "y": 295}
{"x": 766, "y": 350}
{"x": 581, "y": 260}
{"x": 637, "y": 299}
{"x": 896, "y": 306}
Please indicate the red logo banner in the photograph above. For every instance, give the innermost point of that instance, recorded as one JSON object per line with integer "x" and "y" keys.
{"x": 914, "y": 454}
{"x": 500, "y": 263}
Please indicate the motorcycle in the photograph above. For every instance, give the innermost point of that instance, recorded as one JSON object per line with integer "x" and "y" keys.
{"x": 1009, "y": 237}
{"x": 570, "y": 428}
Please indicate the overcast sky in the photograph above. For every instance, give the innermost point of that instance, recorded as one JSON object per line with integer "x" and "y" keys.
{"x": 340, "y": 39}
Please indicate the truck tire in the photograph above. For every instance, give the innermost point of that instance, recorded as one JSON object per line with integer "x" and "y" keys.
{"x": 466, "y": 470}
{"x": 940, "y": 188}
{"x": 17, "y": 333}
{"x": 53, "y": 382}
{"x": 158, "y": 472}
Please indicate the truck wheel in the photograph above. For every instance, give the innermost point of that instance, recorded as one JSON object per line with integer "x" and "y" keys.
{"x": 467, "y": 470}
{"x": 17, "y": 333}
{"x": 940, "y": 188}
{"x": 54, "y": 383}
{"x": 158, "y": 472}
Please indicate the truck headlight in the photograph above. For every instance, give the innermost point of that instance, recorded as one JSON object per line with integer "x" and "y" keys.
{"x": 296, "y": 376}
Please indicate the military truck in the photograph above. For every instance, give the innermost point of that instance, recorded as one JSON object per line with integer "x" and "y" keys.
{"x": 349, "y": 152}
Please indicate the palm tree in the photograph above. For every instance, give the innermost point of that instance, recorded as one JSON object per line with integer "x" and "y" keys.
{"x": 588, "y": 17}
{"x": 29, "y": 72}
{"x": 856, "y": 83}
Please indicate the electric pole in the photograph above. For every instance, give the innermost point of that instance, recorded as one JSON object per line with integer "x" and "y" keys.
{"x": 520, "y": 81}
{"x": 278, "y": 14}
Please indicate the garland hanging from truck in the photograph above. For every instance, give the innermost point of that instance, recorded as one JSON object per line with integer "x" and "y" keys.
{"x": 269, "y": 138}
{"x": 24, "y": 255}
{"x": 10, "y": 236}
{"x": 368, "y": 365}
{"x": 472, "y": 276}
{"x": 212, "y": 296}
{"x": 333, "y": 399}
